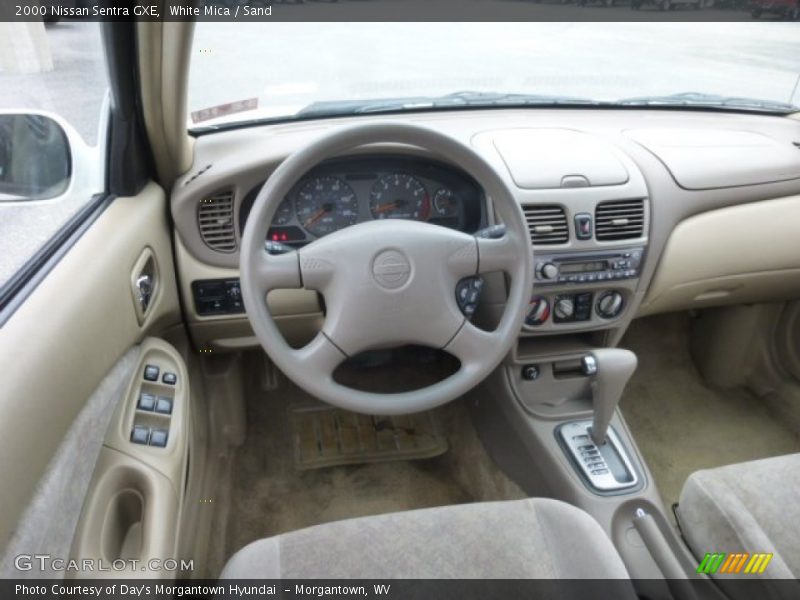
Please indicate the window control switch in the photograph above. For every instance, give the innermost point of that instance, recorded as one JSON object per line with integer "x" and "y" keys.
{"x": 158, "y": 438}
{"x": 164, "y": 405}
{"x": 151, "y": 372}
{"x": 146, "y": 402}
{"x": 140, "y": 435}
{"x": 169, "y": 378}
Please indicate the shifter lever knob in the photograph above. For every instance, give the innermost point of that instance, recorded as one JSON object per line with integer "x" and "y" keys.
{"x": 611, "y": 368}
{"x": 589, "y": 365}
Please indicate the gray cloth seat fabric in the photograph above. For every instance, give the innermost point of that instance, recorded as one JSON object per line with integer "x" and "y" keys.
{"x": 747, "y": 507}
{"x": 521, "y": 539}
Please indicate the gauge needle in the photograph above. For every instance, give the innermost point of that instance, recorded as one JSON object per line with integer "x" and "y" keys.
{"x": 315, "y": 217}
{"x": 382, "y": 208}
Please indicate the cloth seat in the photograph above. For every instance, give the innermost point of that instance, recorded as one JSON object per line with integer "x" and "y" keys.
{"x": 747, "y": 507}
{"x": 520, "y": 539}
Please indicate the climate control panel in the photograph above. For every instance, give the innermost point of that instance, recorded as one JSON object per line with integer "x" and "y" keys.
{"x": 574, "y": 307}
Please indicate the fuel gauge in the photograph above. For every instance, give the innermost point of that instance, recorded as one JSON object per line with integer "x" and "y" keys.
{"x": 284, "y": 214}
{"x": 445, "y": 203}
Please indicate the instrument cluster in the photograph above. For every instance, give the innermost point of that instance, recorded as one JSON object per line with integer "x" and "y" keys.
{"x": 341, "y": 193}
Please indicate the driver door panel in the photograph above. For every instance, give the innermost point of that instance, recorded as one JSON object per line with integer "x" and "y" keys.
{"x": 70, "y": 350}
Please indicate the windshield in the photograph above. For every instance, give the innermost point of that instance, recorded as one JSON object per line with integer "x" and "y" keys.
{"x": 243, "y": 72}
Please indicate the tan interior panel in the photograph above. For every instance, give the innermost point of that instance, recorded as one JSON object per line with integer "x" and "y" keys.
{"x": 739, "y": 254}
{"x": 164, "y": 53}
{"x": 131, "y": 513}
{"x": 69, "y": 333}
{"x": 133, "y": 502}
{"x": 702, "y": 159}
{"x": 555, "y": 158}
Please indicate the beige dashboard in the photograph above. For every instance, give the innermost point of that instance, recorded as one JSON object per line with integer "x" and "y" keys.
{"x": 719, "y": 196}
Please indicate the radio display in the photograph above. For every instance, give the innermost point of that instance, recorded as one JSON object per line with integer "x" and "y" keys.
{"x": 583, "y": 267}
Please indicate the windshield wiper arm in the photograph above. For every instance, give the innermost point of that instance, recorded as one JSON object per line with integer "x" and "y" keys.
{"x": 709, "y": 101}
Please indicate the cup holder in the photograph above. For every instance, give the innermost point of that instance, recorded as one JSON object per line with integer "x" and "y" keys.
{"x": 122, "y": 531}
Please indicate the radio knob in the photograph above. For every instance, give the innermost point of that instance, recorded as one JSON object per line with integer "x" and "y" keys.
{"x": 610, "y": 304}
{"x": 549, "y": 271}
{"x": 564, "y": 309}
{"x": 538, "y": 312}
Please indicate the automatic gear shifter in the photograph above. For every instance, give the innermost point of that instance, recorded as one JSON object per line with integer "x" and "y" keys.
{"x": 611, "y": 368}
{"x": 595, "y": 448}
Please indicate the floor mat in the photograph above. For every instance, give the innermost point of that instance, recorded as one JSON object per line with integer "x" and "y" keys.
{"x": 326, "y": 436}
{"x": 269, "y": 495}
{"x": 680, "y": 424}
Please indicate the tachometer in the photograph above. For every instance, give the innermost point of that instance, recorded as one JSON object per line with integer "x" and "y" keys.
{"x": 326, "y": 204}
{"x": 399, "y": 196}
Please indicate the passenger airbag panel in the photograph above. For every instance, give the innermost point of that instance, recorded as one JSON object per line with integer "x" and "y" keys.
{"x": 705, "y": 159}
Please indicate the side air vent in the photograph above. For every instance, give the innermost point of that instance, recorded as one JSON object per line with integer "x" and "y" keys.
{"x": 619, "y": 220}
{"x": 215, "y": 218}
{"x": 547, "y": 224}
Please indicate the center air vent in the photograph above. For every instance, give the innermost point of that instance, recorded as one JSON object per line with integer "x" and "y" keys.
{"x": 619, "y": 220}
{"x": 547, "y": 224}
{"x": 215, "y": 218}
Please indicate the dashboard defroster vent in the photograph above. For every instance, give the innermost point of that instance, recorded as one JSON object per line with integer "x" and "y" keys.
{"x": 619, "y": 220}
{"x": 215, "y": 218}
{"x": 196, "y": 175}
{"x": 547, "y": 224}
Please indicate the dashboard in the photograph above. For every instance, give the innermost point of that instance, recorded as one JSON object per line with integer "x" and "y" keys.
{"x": 622, "y": 208}
{"x": 348, "y": 191}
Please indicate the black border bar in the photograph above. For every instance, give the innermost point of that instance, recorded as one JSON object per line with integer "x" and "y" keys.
{"x": 251, "y": 11}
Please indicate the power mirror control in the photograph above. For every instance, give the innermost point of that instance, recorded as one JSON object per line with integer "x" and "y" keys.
{"x": 217, "y": 297}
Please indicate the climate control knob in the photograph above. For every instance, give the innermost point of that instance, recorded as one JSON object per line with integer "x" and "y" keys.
{"x": 538, "y": 311}
{"x": 610, "y": 304}
{"x": 549, "y": 271}
{"x": 564, "y": 309}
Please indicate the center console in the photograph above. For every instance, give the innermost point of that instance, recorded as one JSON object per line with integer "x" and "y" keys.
{"x": 548, "y": 416}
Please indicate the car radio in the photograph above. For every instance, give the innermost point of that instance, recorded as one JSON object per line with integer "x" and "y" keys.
{"x": 588, "y": 267}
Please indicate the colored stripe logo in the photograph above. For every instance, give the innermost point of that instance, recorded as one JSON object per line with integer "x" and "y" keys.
{"x": 734, "y": 563}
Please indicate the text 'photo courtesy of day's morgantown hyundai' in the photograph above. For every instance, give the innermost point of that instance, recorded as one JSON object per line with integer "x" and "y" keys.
{"x": 402, "y": 299}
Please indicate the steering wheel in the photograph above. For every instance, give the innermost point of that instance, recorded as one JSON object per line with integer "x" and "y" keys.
{"x": 387, "y": 282}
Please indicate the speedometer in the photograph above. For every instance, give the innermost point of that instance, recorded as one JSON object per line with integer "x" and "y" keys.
{"x": 399, "y": 196}
{"x": 326, "y": 204}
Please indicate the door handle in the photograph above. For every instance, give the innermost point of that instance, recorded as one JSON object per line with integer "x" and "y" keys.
{"x": 144, "y": 283}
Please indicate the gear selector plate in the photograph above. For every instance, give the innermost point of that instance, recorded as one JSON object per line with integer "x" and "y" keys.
{"x": 607, "y": 467}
